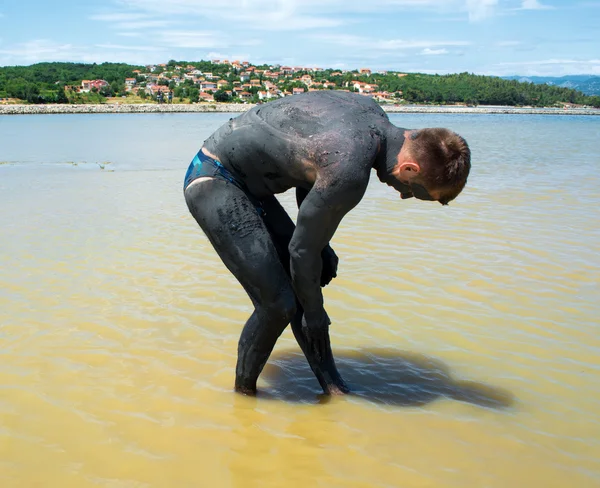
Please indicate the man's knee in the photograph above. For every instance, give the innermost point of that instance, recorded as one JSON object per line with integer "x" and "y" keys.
{"x": 283, "y": 306}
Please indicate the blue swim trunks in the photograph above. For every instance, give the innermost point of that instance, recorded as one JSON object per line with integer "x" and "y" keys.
{"x": 203, "y": 165}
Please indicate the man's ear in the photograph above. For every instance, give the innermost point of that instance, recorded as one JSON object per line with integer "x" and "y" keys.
{"x": 406, "y": 170}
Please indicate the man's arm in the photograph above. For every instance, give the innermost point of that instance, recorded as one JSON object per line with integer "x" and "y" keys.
{"x": 329, "y": 258}
{"x": 318, "y": 218}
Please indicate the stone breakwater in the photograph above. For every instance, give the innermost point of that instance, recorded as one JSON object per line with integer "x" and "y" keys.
{"x": 115, "y": 108}
{"x": 120, "y": 108}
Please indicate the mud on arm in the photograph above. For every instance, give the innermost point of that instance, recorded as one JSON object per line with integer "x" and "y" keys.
{"x": 321, "y": 212}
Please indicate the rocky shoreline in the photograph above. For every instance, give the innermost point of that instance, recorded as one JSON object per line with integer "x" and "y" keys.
{"x": 124, "y": 108}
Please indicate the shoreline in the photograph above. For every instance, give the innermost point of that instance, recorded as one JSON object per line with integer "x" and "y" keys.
{"x": 115, "y": 108}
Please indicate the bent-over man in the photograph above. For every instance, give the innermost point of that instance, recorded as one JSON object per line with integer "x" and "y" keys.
{"x": 324, "y": 144}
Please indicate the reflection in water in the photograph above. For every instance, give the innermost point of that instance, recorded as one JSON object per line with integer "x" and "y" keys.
{"x": 383, "y": 376}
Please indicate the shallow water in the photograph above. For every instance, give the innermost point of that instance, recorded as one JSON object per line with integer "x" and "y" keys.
{"x": 469, "y": 332}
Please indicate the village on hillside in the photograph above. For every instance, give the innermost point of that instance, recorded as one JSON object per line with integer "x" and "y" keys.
{"x": 237, "y": 81}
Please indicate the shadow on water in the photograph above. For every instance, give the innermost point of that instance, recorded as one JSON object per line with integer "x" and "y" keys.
{"x": 383, "y": 376}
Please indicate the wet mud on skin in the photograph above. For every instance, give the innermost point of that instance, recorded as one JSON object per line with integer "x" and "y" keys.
{"x": 281, "y": 144}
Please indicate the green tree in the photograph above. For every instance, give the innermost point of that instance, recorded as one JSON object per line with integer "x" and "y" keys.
{"x": 222, "y": 96}
{"x": 194, "y": 94}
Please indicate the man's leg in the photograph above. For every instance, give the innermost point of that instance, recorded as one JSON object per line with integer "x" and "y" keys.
{"x": 281, "y": 228}
{"x": 240, "y": 238}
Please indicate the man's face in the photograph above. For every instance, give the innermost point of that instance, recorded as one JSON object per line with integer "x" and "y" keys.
{"x": 409, "y": 189}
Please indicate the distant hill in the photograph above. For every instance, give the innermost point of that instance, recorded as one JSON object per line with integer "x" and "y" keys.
{"x": 588, "y": 84}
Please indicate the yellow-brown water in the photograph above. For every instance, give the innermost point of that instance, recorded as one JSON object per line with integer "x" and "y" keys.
{"x": 469, "y": 333}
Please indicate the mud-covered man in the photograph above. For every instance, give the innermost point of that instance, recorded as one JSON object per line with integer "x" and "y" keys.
{"x": 324, "y": 144}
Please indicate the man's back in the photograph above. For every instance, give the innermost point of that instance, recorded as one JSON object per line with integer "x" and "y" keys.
{"x": 286, "y": 143}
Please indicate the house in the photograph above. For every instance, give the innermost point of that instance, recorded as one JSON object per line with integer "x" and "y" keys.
{"x": 206, "y": 97}
{"x": 208, "y": 76}
{"x": 208, "y": 85}
{"x": 286, "y": 70}
{"x": 297, "y": 91}
{"x": 216, "y": 61}
{"x": 365, "y": 71}
{"x": 255, "y": 82}
{"x": 129, "y": 83}
{"x": 89, "y": 85}
{"x": 152, "y": 89}
{"x": 364, "y": 87}
{"x": 244, "y": 77}
{"x": 222, "y": 84}
{"x": 245, "y": 95}
{"x": 306, "y": 79}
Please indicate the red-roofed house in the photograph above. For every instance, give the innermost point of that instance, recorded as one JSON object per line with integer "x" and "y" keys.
{"x": 206, "y": 97}
{"x": 306, "y": 79}
{"x": 89, "y": 85}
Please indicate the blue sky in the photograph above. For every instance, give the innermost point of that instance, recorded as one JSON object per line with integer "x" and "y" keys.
{"x": 497, "y": 37}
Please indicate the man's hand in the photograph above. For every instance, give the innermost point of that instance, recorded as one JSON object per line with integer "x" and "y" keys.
{"x": 315, "y": 328}
{"x": 330, "y": 265}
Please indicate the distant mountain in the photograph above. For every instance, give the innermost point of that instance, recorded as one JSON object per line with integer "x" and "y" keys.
{"x": 588, "y": 84}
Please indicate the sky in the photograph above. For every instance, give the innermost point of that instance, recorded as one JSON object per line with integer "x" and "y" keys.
{"x": 490, "y": 37}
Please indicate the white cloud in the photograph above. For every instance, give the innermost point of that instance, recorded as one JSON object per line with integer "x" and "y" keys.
{"x": 142, "y": 24}
{"x": 298, "y": 14}
{"x": 534, "y": 5}
{"x": 231, "y": 56}
{"x": 480, "y": 9}
{"x": 508, "y": 43}
{"x": 548, "y": 67}
{"x": 384, "y": 44}
{"x": 433, "y": 52}
{"x": 39, "y": 50}
{"x": 119, "y": 17}
{"x": 127, "y": 48}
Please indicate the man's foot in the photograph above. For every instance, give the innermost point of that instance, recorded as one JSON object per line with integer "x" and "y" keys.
{"x": 244, "y": 390}
{"x": 337, "y": 390}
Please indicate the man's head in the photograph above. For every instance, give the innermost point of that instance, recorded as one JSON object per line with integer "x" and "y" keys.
{"x": 433, "y": 164}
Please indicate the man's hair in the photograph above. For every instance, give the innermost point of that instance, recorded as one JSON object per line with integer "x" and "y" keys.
{"x": 444, "y": 158}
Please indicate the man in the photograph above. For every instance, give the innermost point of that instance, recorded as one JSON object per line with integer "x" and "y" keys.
{"x": 324, "y": 144}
